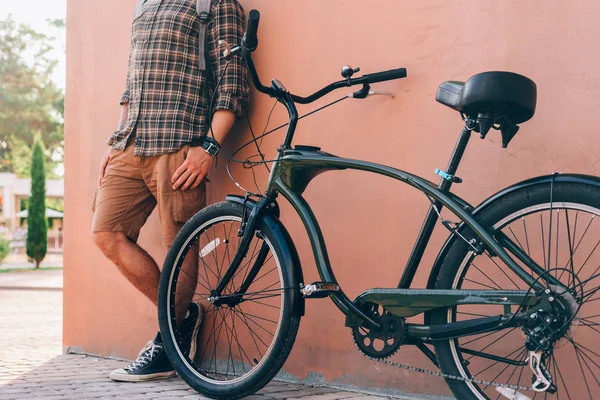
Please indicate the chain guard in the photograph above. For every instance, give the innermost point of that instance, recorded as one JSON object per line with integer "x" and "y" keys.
{"x": 382, "y": 343}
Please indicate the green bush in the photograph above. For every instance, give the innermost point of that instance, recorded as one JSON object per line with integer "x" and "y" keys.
{"x": 4, "y": 250}
{"x": 37, "y": 225}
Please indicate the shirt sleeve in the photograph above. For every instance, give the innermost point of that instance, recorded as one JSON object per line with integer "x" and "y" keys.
{"x": 229, "y": 24}
{"x": 126, "y": 96}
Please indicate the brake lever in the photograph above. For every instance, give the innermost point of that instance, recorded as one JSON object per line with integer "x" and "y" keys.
{"x": 380, "y": 93}
{"x": 363, "y": 94}
{"x": 229, "y": 51}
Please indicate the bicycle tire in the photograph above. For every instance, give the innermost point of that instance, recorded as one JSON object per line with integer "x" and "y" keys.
{"x": 285, "y": 335}
{"x": 447, "y": 351}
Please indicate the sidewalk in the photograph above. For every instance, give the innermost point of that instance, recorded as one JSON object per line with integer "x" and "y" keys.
{"x": 32, "y": 366}
{"x": 38, "y": 280}
{"x": 19, "y": 261}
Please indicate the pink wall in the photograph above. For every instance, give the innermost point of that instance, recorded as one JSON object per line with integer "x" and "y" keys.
{"x": 369, "y": 224}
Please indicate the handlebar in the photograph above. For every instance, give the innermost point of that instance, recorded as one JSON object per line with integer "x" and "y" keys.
{"x": 250, "y": 40}
{"x": 250, "y": 43}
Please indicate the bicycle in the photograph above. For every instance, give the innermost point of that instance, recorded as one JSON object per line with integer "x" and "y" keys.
{"x": 501, "y": 306}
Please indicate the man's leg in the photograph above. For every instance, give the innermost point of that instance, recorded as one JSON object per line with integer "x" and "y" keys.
{"x": 187, "y": 284}
{"x": 139, "y": 268}
{"x": 121, "y": 207}
{"x": 175, "y": 208}
{"x": 132, "y": 261}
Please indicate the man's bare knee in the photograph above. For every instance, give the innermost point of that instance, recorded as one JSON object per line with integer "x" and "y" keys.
{"x": 108, "y": 241}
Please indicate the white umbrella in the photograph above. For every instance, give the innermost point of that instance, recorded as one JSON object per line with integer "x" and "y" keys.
{"x": 50, "y": 213}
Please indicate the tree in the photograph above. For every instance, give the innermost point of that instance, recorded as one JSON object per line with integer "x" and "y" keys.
{"x": 37, "y": 226}
{"x": 30, "y": 103}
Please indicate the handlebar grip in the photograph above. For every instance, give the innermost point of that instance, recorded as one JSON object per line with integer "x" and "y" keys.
{"x": 250, "y": 40}
{"x": 385, "y": 75}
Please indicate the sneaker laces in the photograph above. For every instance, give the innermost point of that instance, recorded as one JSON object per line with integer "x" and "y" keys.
{"x": 146, "y": 355}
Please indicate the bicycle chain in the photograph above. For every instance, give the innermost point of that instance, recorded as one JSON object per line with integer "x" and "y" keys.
{"x": 448, "y": 376}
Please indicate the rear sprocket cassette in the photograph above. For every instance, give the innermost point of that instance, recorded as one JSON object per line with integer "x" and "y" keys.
{"x": 384, "y": 342}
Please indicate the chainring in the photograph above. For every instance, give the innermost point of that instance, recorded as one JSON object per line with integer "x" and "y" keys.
{"x": 384, "y": 342}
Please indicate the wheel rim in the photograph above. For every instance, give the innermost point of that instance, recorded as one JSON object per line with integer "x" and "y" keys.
{"x": 575, "y": 352}
{"x": 233, "y": 342}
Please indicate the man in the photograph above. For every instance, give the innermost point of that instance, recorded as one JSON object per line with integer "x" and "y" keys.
{"x": 162, "y": 150}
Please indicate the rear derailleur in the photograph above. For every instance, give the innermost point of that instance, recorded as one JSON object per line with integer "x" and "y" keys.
{"x": 541, "y": 379}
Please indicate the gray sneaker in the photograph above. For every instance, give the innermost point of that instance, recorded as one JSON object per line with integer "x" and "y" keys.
{"x": 152, "y": 363}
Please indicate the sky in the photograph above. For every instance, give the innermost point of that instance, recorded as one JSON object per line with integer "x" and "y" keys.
{"x": 35, "y": 13}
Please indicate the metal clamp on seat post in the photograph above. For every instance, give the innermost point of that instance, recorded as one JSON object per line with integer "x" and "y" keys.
{"x": 447, "y": 176}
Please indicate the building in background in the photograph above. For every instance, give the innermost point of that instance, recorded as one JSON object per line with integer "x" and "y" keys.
{"x": 13, "y": 191}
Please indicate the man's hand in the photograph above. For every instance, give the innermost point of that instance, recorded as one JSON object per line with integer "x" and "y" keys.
{"x": 106, "y": 157}
{"x": 190, "y": 174}
{"x": 103, "y": 165}
{"x": 195, "y": 167}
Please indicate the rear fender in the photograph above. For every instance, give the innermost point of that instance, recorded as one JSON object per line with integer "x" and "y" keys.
{"x": 540, "y": 180}
{"x": 291, "y": 260}
{"x": 490, "y": 201}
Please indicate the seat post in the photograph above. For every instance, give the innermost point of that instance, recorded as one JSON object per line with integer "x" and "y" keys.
{"x": 457, "y": 154}
{"x": 432, "y": 214}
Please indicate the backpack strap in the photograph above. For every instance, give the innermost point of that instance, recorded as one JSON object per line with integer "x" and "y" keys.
{"x": 203, "y": 9}
{"x": 138, "y": 6}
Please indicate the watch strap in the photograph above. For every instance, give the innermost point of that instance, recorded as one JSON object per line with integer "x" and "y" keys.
{"x": 209, "y": 145}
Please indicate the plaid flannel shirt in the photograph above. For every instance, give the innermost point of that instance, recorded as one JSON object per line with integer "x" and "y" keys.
{"x": 168, "y": 95}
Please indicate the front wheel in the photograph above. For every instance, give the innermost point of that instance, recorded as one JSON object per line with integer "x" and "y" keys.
{"x": 563, "y": 237}
{"x": 244, "y": 339}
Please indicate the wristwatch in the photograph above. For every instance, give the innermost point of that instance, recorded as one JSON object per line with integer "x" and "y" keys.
{"x": 209, "y": 145}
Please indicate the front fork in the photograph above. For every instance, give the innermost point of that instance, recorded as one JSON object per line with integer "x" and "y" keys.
{"x": 247, "y": 232}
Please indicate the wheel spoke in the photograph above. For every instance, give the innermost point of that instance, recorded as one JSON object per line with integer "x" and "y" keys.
{"x": 503, "y": 271}
{"x": 526, "y": 236}
{"x": 493, "y": 343}
{"x": 254, "y": 322}
{"x": 564, "y": 239}
{"x": 231, "y": 333}
{"x": 484, "y": 274}
{"x": 570, "y": 241}
{"x": 543, "y": 242}
{"x": 583, "y": 372}
{"x": 580, "y": 239}
{"x": 520, "y": 356}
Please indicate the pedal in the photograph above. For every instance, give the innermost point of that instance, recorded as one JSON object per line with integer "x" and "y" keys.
{"x": 319, "y": 290}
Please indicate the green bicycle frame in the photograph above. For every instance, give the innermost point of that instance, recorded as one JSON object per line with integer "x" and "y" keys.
{"x": 293, "y": 170}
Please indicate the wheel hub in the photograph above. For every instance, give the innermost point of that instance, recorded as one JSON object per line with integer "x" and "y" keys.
{"x": 552, "y": 319}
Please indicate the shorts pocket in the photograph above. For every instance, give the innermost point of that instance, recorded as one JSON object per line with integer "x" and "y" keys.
{"x": 188, "y": 203}
{"x": 94, "y": 202}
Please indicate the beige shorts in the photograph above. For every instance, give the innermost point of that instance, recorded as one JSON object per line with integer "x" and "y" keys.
{"x": 134, "y": 185}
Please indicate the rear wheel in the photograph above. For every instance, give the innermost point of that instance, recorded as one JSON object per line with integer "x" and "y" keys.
{"x": 244, "y": 338}
{"x": 563, "y": 237}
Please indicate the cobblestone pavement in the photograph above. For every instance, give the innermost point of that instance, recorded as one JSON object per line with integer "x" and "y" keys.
{"x": 32, "y": 366}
